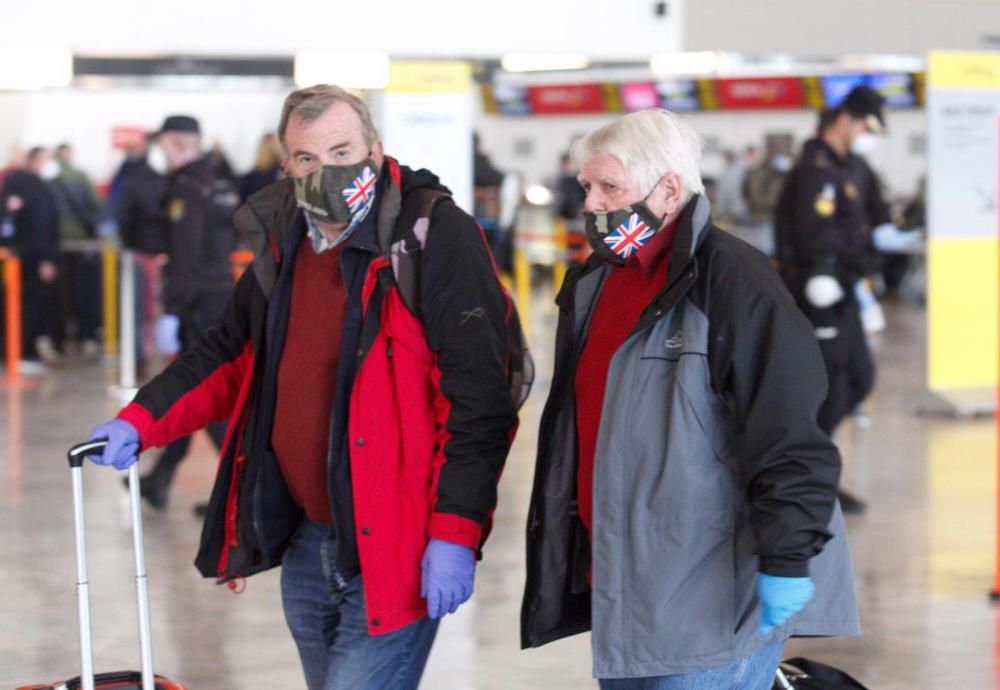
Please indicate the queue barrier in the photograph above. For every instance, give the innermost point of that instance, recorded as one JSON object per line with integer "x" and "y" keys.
{"x": 13, "y": 324}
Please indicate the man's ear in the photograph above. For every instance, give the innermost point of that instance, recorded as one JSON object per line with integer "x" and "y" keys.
{"x": 378, "y": 152}
{"x": 673, "y": 192}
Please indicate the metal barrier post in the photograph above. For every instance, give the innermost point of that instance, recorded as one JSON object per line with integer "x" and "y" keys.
{"x": 12, "y": 292}
{"x": 238, "y": 262}
{"x": 126, "y": 301}
{"x": 109, "y": 276}
{"x": 522, "y": 285}
{"x": 562, "y": 247}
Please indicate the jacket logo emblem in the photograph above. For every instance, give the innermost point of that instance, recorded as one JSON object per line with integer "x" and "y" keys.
{"x": 477, "y": 313}
{"x": 676, "y": 342}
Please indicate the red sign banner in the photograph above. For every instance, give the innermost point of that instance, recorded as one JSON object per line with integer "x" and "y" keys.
{"x": 122, "y": 136}
{"x": 566, "y": 99}
{"x": 760, "y": 93}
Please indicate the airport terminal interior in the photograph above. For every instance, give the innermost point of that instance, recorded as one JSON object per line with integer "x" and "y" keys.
{"x": 493, "y": 100}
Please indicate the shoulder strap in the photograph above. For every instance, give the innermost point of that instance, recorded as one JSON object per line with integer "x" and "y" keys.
{"x": 408, "y": 242}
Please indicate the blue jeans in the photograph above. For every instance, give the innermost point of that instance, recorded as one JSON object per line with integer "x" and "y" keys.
{"x": 329, "y": 622}
{"x": 755, "y": 672}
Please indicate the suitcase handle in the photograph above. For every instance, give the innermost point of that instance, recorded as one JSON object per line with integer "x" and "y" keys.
{"x": 76, "y": 455}
{"x": 81, "y": 450}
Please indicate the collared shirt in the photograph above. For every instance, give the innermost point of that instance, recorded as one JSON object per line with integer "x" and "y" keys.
{"x": 320, "y": 242}
{"x": 627, "y": 292}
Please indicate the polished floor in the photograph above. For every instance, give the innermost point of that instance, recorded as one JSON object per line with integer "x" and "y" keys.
{"x": 923, "y": 553}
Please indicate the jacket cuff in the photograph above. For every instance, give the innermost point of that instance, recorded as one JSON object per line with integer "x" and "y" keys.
{"x": 456, "y": 529}
{"x": 139, "y": 417}
{"x": 784, "y": 567}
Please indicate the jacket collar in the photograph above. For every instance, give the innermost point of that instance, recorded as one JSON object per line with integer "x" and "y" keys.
{"x": 269, "y": 216}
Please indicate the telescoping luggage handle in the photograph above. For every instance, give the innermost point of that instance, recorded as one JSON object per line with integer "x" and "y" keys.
{"x": 782, "y": 680}
{"x": 76, "y": 456}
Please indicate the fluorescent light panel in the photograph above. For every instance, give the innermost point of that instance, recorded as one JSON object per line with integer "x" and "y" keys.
{"x": 351, "y": 69}
{"x": 543, "y": 62}
{"x": 30, "y": 67}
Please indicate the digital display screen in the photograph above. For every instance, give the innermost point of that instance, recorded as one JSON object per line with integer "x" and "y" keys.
{"x": 679, "y": 95}
{"x": 512, "y": 100}
{"x": 837, "y": 86}
{"x": 895, "y": 88}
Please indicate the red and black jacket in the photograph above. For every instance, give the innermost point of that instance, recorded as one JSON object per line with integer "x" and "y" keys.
{"x": 430, "y": 416}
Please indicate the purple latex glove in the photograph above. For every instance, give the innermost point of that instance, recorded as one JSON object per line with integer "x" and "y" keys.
{"x": 123, "y": 444}
{"x": 449, "y": 571}
{"x": 781, "y": 598}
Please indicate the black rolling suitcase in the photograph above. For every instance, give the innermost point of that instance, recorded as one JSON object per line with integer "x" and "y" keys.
{"x": 121, "y": 680}
{"x": 806, "y": 674}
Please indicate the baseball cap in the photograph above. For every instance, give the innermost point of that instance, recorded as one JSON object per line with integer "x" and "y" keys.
{"x": 178, "y": 123}
{"x": 865, "y": 103}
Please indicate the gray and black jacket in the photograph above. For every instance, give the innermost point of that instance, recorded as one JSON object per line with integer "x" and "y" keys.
{"x": 710, "y": 468}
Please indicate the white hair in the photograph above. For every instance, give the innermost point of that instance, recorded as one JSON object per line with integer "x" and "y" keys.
{"x": 649, "y": 144}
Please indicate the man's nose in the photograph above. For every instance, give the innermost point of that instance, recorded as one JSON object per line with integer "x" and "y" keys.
{"x": 594, "y": 202}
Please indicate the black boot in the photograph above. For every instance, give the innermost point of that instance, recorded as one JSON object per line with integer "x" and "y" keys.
{"x": 851, "y": 505}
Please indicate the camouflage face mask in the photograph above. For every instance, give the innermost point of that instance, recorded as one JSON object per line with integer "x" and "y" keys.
{"x": 617, "y": 235}
{"x": 338, "y": 193}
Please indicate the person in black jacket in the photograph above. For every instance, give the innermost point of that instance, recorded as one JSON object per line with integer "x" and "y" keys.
{"x": 138, "y": 211}
{"x": 823, "y": 247}
{"x": 32, "y": 212}
{"x": 198, "y": 209}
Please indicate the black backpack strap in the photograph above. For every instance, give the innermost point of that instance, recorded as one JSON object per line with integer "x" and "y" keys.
{"x": 408, "y": 242}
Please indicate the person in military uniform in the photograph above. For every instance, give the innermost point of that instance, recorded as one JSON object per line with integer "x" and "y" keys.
{"x": 823, "y": 249}
{"x": 198, "y": 208}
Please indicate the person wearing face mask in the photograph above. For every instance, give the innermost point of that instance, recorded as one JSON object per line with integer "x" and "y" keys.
{"x": 137, "y": 209}
{"x": 197, "y": 211}
{"x": 30, "y": 207}
{"x": 824, "y": 248}
{"x": 363, "y": 364}
{"x": 685, "y": 498}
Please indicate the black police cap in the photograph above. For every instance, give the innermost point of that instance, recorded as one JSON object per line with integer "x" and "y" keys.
{"x": 179, "y": 123}
{"x": 865, "y": 103}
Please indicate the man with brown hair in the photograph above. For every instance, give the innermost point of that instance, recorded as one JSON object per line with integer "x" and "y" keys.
{"x": 363, "y": 367}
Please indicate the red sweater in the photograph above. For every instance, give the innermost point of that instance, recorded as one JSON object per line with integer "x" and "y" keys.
{"x": 627, "y": 291}
{"x": 307, "y": 376}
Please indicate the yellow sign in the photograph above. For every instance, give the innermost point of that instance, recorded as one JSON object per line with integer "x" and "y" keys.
{"x": 964, "y": 70}
{"x": 963, "y": 307}
{"x": 429, "y": 76}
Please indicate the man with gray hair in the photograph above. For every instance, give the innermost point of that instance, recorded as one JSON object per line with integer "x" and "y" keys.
{"x": 363, "y": 366}
{"x": 685, "y": 498}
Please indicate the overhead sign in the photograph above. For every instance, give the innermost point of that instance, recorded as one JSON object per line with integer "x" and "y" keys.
{"x": 900, "y": 89}
{"x": 566, "y": 99}
{"x": 760, "y": 93}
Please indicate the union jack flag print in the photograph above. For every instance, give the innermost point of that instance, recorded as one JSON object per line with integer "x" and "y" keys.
{"x": 629, "y": 237}
{"x": 359, "y": 193}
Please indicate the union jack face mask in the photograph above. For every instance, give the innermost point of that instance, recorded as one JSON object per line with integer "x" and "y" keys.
{"x": 338, "y": 193}
{"x": 617, "y": 235}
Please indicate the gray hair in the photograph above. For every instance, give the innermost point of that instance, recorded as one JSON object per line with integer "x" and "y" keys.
{"x": 649, "y": 144}
{"x": 308, "y": 104}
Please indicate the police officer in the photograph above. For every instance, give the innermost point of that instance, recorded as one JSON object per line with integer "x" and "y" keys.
{"x": 823, "y": 247}
{"x": 198, "y": 209}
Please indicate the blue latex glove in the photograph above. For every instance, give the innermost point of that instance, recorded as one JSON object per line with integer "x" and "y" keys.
{"x": 781, "y": 598}
{"x": 123, "y": 444}
{"x": 887, "y": 237}
{"x": 449, "y": 571}
{"x": 167, "y": 335}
